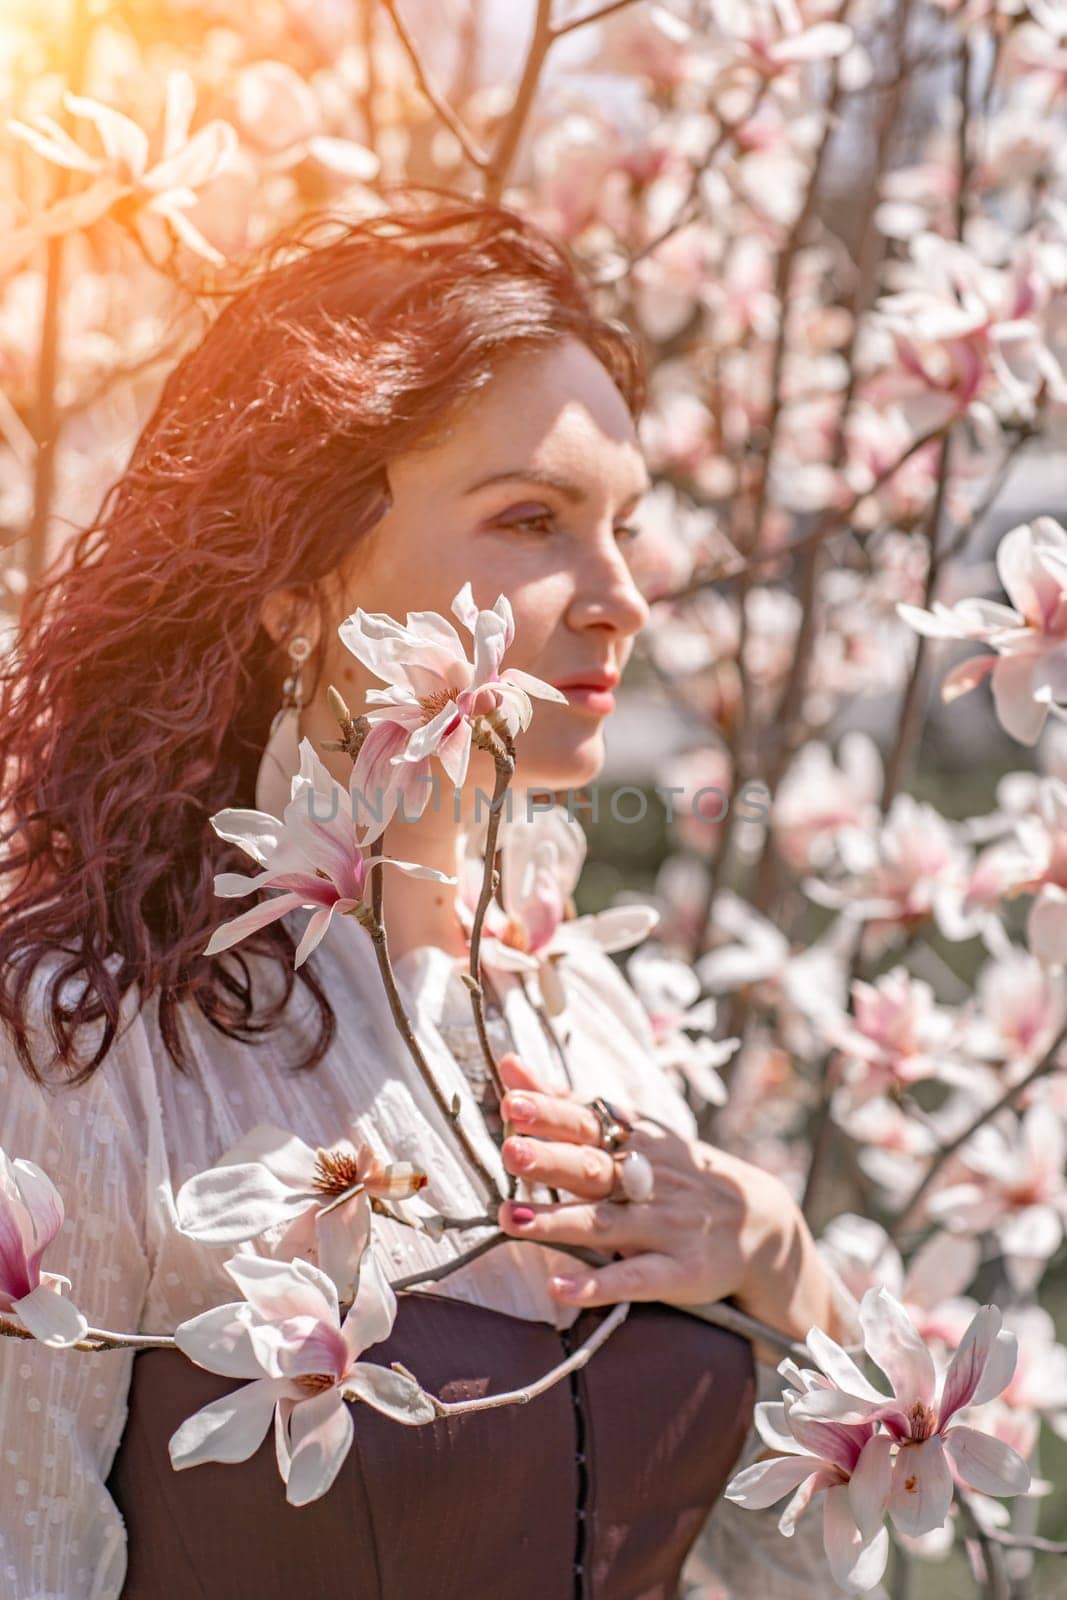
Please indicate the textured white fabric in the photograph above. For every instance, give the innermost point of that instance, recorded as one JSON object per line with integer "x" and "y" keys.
{"x": 119, "y": 1148}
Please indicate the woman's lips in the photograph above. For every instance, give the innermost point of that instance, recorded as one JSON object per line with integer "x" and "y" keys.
{"x": 600, "y": 702}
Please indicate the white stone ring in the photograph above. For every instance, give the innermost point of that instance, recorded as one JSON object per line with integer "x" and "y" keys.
{"x": 635, "y": 1181}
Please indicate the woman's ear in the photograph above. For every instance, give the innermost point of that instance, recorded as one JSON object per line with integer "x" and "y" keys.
{"x": 284, "y": 614}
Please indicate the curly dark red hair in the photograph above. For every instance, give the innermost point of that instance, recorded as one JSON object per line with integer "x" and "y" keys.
{"x": 137, "y": 699}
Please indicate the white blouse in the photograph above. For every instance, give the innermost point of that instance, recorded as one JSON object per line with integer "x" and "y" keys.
{"x": 120, "y": 1147}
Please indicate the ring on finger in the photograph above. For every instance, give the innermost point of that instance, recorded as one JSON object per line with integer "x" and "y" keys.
{"x": 615, "y": 1129}
{"x": 635, "y": 1180}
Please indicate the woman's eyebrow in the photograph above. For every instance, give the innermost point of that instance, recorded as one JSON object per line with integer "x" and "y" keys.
{"x": 548, "y": 480}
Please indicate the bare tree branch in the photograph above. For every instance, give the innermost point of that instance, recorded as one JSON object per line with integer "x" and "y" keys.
{"x": 471, "y": 149}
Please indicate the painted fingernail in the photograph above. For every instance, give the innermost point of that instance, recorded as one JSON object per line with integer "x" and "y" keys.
{"x": 521, "y": 1109}
{"x": 521, "y": 1216}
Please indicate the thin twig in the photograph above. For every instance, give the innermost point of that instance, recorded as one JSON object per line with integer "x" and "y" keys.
{"x": 987, "y": 1559}
{"x": 593, "y": 16}
{"x": 499, "y": 164}
{"x": 471, "y": 149}
{"x": 504, "y": 757}
{"x": 520, "y": 1397}
{"x": 1047, "y": 1063}
{"x": 374, "y": 925}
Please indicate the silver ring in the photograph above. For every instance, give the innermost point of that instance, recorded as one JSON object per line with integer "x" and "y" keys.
{"x": 635, "y": 1179}
{"x": 615, "y": 1129}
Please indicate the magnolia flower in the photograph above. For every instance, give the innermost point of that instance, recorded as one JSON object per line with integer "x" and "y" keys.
{"x": 1032, "y": 860}
{"x": 531, "y": 932}
{"x": 844, "y": 1464}
{"x": 434, "y": 696}
{"x": 316, "y": 1203}
{"x": 287, "y": 1335}
{"x": 164, "y": 189}
{"x": 311, "y": 854}
{"x": 1012, "y": 1185}
{"x": 817, "y": 796}
{"x": 913, "y": 1463}
{"x": 896, "y": 1036}
{"x": 1028, "y": 669}
{"x": 31, "y": 1214}
{"x": 669, "y": 990}
{"x": 930, "y": 1288}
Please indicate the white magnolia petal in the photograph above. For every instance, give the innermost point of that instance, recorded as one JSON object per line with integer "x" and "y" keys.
{"x": 281, "y": 1289}
{"x": 987, "y": 1464}
{"x": 840, "y": 1368}
{"x": 50, "y": 1317}
{"x": 238, "y": 1201}
{"x": 868, "y": 1487}
{"x": 856, "y": 1564}
{"x": 231, "y": 1428}
{"x": 765, "y": 1482}
{"x": 320, "y": 1437}
{"x": 218, "y": 1340}
{"x": 392, "y": 1393}
{"x": 921, "y": 1491}
{"x": 893, "y": 1343}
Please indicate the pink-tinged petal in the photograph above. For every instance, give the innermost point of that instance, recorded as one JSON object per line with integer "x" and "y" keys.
{"x": 371, "y": 1316}
{"x": 832, "y": 1405}
{"x": 320, "y": 1437}
{"x": 50, "y": 1317}
{"x": 941, "y": 1268}
{"x": 313, "y": 935}
{"x": 392, "y": 1393}
{"x": 454, "y": 753}
{"x": 965, "y": 677}
{"x": 218, "y": 1341}
{"x": 535, "y": 686}
{"x": 256, "y": 832}
{"x": 1018, "y": 712}
{"x": 825, "y": 1478}
{"x": 868, "y": 1487}
{"x": 615, "y": 929}
{"x": 857, "y": 1564}
{"x": 921, "y": 1491}
{"x": 765, "y": 1482}
{"x": 228, "y": 933}
{"x": 840, "y": 1368}
{"x": 229, "y": 1429}
{"x": 1046, "y": 926}
{"x": 773, "y": 1428}
{"x": 980, "y": 1360}
{"x": 298, "y": 1346}
{"x": 231, "y": 1203}
{"x": 832, "y": 1441}
{"x": 894, "y": 1345}
{"x": 342, "y": 1234}
{"x": 987, "y": 1464}
{"x": 280, "y": 1289}
{"x": 1016, "y": 571}
{"x": 424, "y": 741}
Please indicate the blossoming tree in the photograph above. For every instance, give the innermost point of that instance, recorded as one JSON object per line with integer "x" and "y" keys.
{"x": 840, "y": 231}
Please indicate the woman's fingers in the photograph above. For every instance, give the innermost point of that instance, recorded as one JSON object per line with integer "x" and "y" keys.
{"x": 546, "y": 1116}
{"x": 581, "y": 1169}
{"x": 515, "y": 1074}
{"x": 601, "y": 1225}
{"x": 651, "y": 1276}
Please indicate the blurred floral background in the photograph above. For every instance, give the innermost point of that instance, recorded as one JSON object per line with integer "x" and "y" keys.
{"x": 840, "y": 233}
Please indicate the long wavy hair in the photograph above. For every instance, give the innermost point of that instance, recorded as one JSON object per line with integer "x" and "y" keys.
{"x": 138, "y": 695}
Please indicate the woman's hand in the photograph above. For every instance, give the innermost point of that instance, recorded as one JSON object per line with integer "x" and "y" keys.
{"x": 716, "y": 1226}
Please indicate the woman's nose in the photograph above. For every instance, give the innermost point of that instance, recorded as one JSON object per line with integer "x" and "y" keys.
{"x": 607, "y": 596}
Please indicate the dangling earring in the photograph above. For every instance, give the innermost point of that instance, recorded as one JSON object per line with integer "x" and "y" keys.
{"x": 281, "y": 755}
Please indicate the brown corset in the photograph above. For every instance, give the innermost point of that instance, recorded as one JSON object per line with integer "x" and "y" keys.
{"x": 596, "y": 1489}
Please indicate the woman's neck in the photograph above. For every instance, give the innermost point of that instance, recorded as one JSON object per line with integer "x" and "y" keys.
{"x": 418, "y": 911}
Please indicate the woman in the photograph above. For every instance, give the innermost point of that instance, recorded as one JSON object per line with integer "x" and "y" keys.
{"x": 425, "y": 398}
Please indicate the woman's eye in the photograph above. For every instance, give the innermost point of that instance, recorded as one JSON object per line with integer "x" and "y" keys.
{"x": 544, "y": 522}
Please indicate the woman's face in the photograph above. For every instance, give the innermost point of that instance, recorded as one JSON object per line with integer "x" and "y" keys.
{"x": 480, "y": 506}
